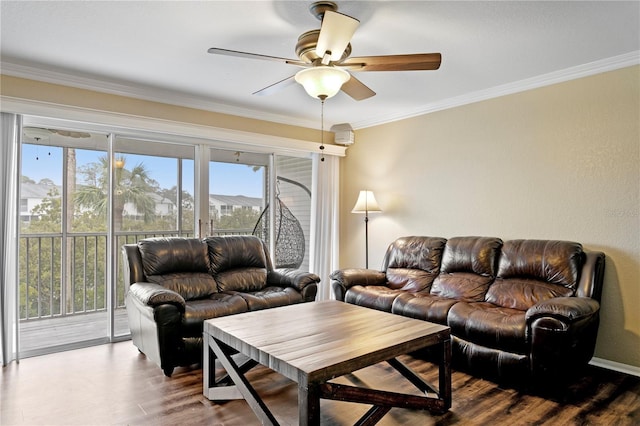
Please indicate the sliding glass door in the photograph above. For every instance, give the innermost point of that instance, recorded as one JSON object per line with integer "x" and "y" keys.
{"x": 238, "y": 191}
{"x": 153, "y": 196}
{"x": 83, "y": 194}
{"x": 265, "y": 195}
{"x": 63, "y": 273}
{"x": 78, "y": 206}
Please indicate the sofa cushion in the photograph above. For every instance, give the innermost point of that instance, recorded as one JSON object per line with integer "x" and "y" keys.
{"x": 179, "y": 264}
{"x": 523, "y": 293}
{"x": 412, "y": 263}
{"x": 238, "y": 263}
{"x": 271, "y": 297}
{"x": 555, "y": 262}
{"x": 411, "y": 280}
{"x": 469, "y": 265}
{"x": 168, "y": 255}
{"x": 189, "y": 285}
{"x": 490, "y": 326}
{"x": 478, "y": 255}
{"x": 423, "y": 306}
{"x": 217, "y": 305}
{"x": 464, "y": 286}
{"x": 245, "y": 279}
{"x": 531, "y": 271}
{"x": 372, "y": 296}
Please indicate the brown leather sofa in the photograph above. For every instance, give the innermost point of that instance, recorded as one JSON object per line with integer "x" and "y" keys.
{"x": 174, "y": 284}
{"x": 519, "y": 308}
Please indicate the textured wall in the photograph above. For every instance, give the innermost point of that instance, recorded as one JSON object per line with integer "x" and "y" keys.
{"x": 560, "y": 162}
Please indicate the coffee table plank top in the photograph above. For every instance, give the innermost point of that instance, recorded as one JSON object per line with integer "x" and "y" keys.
{"x": 318, "y": 341}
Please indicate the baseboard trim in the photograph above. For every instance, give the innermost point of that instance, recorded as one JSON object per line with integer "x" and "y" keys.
{"x": 616, "y": 366}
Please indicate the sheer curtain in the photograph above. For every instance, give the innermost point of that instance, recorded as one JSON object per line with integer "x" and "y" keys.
{"x": 323, "y": 251}
{"x": 9, "y": 149}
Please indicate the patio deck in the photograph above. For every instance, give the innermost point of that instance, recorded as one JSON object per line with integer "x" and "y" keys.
{"x": 46, "y": 335}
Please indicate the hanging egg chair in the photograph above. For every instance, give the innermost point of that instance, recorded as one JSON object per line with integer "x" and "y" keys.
{"x": 290, "y": 241}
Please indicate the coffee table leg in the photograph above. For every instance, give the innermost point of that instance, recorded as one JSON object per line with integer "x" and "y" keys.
{"x": 444, "y": 385}
{"x": 208, "y": 366}
{"x": 308, "y": 404}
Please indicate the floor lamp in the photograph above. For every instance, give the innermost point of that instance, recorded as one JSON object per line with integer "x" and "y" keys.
{"x": 366, "y": 204}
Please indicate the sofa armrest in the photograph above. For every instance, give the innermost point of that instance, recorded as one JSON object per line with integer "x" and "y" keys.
{"x": 153, "y": 295}
{"x": 566, "y": 309}
{"x": 343, "y": 279}
{"x": 563, "y": 334}
{"x": 289, "y": 277}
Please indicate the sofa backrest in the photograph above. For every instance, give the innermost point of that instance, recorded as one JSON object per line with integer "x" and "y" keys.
{"x": 238, "y": 262}
{"x": 469, "y": 266}
{"x": 412, "y": 263}
{"x": 179, "y": 264}
{"x": 531, "y": 271}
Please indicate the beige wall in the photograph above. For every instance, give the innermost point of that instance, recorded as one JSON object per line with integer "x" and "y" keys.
{"x": 63, "y": 95}
{"x": 560, "y": 162}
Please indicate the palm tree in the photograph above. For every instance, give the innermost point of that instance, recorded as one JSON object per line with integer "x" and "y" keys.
{"x": 129, "y": 187}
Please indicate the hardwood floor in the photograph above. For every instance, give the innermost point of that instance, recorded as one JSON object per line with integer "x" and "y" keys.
{"x": 114, "y": 384}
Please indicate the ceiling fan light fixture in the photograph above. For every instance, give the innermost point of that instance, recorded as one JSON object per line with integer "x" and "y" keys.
{"x": 322, "y": 81}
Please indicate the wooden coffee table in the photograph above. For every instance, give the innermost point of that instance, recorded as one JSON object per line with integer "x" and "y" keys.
{"x": 313, "y": 343}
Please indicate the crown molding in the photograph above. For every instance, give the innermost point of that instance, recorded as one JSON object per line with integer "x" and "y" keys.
{"x": 154, "y": 94}
{"x": 573, "y": 73}
{"x": 142, "y": 92}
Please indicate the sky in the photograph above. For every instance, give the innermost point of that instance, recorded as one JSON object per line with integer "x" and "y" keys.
{"x": 45, "y": 162}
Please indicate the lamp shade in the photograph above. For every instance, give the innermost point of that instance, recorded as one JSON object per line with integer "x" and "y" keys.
{"x": 366, "y": 203}
{"x": 322, "y": 82}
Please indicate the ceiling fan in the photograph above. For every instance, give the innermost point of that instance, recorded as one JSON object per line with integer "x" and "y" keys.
{"x": 324, "y": 56}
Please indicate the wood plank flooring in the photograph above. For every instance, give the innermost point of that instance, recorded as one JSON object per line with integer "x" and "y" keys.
{"x": 115, "y": 385}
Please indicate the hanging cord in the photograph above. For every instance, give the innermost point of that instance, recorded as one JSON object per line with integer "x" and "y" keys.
{"x": 322, "y": 98}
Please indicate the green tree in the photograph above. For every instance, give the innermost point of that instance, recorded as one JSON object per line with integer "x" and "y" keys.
{"x": 238, "y": 219}
{"x": 132, "y": 186}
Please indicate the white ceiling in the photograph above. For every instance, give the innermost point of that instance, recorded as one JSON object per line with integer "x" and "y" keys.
{"x": 157, "y": 50}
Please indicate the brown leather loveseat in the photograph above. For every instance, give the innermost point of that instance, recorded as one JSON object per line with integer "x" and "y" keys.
{"x": 174, "y": 284}
{"x": 519, "y": 308}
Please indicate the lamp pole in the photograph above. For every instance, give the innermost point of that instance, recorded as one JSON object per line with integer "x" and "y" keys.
{"x": 366, "y": 239}
{"x": 366, "y": 203}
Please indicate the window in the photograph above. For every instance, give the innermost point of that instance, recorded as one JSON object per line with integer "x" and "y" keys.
{"x": 86, "y": 193}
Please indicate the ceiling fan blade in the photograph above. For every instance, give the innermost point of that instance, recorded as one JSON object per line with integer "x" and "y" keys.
{"x": 411, "y": 62}
{"x": 226, "y": 52}
{"x": 357, "y": 89}
{"x": 276, "y": 87}
{"x": 335, "y": 34}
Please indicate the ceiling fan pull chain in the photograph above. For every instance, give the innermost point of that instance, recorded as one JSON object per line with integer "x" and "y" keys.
{"x": 322, "y": 127}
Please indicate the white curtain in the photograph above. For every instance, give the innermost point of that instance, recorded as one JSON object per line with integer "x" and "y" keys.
{"x": 325, "y": 223}
{"x": 9, "y": 153}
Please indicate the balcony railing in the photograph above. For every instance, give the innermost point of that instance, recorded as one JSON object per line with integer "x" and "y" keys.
{"x": 68, "y": 277}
